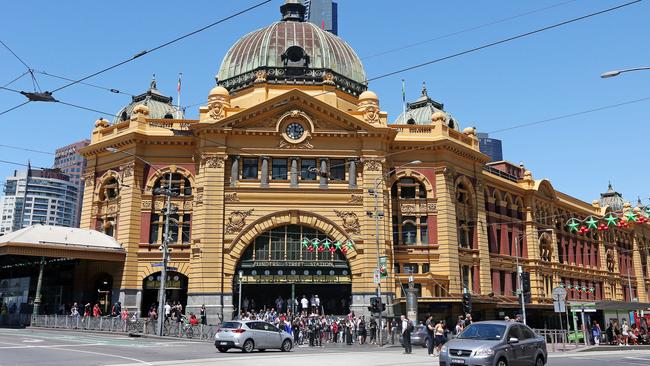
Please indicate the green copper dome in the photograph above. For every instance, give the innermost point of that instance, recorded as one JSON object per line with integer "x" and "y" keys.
{"x": 292, "y": 51}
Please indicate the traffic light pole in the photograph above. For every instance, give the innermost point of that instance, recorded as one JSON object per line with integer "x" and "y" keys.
{"x": 165, "y": 255}
{"x": 380, "y": 326}
{"x": 519, "y": 284}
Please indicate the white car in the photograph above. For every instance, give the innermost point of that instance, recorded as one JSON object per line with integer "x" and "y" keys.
{"x": 248, "y": 335}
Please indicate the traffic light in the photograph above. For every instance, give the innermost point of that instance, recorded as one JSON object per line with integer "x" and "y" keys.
{"x": 467, "y": 303}
{"x": 374, "y": 304}
{"x": 525, "y": 279}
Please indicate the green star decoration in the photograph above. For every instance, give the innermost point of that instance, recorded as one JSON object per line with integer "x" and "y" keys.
{"x": 315, "y": 242}
{"x": 573, "y": 225}
{"x": 305, "y": 243}
{"x": 337, "y": 245}
{"x": 630, "y": 216}
{"x": 326, "y": 243}
{"x": 591, "y": 223}
{"x": 611, "y": 220}
{"x": 349, "y": 244}
{"x": 647, "y": 211}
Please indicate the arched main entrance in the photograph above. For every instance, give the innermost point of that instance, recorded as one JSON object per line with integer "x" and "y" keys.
{"x": 289, "y": 262}
{"x": 176, "y": 290}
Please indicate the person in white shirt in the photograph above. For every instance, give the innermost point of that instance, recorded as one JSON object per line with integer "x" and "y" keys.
{"x": 317, "y": 304}
{"x": 168, "y": 310}
{"x": 305, "y": 304}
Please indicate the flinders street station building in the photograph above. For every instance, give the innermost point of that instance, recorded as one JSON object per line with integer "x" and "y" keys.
{"x": 293, "y": 181}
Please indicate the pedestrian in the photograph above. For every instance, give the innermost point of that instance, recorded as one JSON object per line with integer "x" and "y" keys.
{"x": 430, "y": 328}
{"x": 204, "y": 315}
{"x": 304, "y": 303}
{"x": 595, "y": 331}
{"x": 97, "y": 311}
{"x": 87, "y": 309}
{"x": 74, "y": 310}
{"x": 168, "y": 310}
{"x": 335, "y": 331}
{"x": 362, "y": 331}
{"x": 407, "y": 328}
{"x": 373, "y": 331}
{"x": 625, "y": 332}
{"x": 439, "y": 336}
{"x": 317, "y": 304}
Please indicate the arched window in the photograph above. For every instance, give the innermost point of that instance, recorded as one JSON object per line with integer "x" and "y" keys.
{"x": 109, "y": 190}
{"x": 410, "y": 223}
{"x": 465, "y": 216}
{"x": 545, "y": 249}
{"x": 181, "y": 214}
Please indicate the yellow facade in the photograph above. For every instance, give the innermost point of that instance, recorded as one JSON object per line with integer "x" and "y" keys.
{"x": 461, "y": 202}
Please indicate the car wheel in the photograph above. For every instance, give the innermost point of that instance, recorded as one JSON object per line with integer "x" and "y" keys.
{"x": 502, "y": 362}
{"x": 248, "y": 346}
{"x": 286, "y": 346}
{"x": 222, "y": 349}
{"x": 539, "y": 361}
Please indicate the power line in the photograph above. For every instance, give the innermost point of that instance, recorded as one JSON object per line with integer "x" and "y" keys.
{"x": 16, "y": 79}
{"x": 142, "y": 53}
{"x": 597, "y": 109}
{"x": 522, "y": 35}
{"x": 26, "y": 149}
{"x": 15, "y": 55}
{"x": 21, "y": 164}
{"x": 15, "y": 107}
{"x": 466, "y": 30}
{"x": 112, "y": 90}
{"x": 85, "y": 108}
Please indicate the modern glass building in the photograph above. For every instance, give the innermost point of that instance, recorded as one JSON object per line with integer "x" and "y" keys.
{"x": 69, "y": 162}
{"x": 490, "y": 147}
{"x": 38, "y": 197}
{"x": 323, "y": 13}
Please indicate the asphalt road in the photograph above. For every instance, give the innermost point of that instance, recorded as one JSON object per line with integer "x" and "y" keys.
{"x": 58, "y": 347}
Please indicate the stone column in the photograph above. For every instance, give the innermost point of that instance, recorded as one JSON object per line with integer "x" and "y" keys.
{"x": 638, "y": 270}
{"x": 323, "y": 172}
{"x": 234, "y": 171}
{"x": 353, "y": 174}
{"x": 294, "y": 171}
{"x": 265, "y": 172}
{"x": 484, "y": 278}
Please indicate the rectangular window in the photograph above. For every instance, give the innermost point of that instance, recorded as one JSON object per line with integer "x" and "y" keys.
{"x": 279, "y": 169}
{"x": 173, "y": 229}
{"x": 425, "y": 268}
{"x": 337, "y": 169}
{"x": 277, "y": 244}
{"x": 249, "y": 168}
{"x": 262, "y": 248}
{"x": 186, "y": 228}
{"x": 411, "y": 268}
{"x": 293, "y": 243}
{"x": 424, "y": 233}
{"x": 153, "y": 229}
{"x": 306, "y": 167}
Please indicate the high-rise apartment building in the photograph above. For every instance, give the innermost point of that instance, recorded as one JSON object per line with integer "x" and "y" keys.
{"x": 323, "y": 13}
{"x": 38, "y": 196}
{"x": 490, "y": 147}
{"x": 69, "y": 162}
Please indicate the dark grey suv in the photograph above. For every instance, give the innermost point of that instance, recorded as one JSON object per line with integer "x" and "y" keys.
{"x": 495, "y": 343}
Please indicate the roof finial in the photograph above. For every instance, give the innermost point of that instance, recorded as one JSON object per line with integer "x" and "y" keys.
{"x": 609, "y": 187}
{"x": 153, "y": 82}
{"x": 424, "y": 89}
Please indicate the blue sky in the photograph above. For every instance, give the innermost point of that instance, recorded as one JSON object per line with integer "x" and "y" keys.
{"x": 543, "y": 76}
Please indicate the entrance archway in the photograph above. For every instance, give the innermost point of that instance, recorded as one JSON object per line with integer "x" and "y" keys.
{"x": 289, "y": 262}
{"x": 104, "y": 290}
{"x": 175, "y": 290}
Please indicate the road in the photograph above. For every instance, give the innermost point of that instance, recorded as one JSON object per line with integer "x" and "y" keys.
{"x": 57, "y": 347}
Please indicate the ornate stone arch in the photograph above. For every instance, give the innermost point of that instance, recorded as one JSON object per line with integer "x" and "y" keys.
{"x": 159, "y": 173}
{"x": 103, "y": 180}
{"x": 239, "y": 244}
{"x": 147, "y": 269}
{"x": 410, "y": 173}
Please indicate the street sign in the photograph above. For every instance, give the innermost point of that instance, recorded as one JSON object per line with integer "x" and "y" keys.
{"x": 376, "y": 278}
{"x": 559, "y": 293}
{"x": 559, "y": 297}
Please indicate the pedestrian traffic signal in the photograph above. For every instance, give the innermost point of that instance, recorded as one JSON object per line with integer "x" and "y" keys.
{"x": 525, "y": 279}
{"x": 528, "y": 297}
{"x": 374, "y": 304}
{"x": 467, "y": 303}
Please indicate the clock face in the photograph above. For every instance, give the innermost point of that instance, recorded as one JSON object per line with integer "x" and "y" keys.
{"x": 295, "y": 131}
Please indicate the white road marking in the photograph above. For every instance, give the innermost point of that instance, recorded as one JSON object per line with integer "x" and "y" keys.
{"x": 50, "y": 346}
{"x": 104, "y": 354}
{"x": 32, "y": 340}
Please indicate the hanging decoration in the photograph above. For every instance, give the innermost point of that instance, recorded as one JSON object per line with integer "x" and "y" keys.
{"x": 577, "y": 288}
{"x": 327, "y": 244}
{"x": 639, "y": 215}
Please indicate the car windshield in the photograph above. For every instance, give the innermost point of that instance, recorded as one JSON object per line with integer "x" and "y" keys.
{"x": 231, "y": 325}
{"x": 486, "y": 332}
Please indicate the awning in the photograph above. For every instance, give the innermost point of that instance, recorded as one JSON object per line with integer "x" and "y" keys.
{"x": 61, "y": 242}
{"x": 621, "y": 305}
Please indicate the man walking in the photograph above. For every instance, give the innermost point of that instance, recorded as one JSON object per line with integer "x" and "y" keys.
{"x": 430, "y": 327}
{"x": 407, "y": 328}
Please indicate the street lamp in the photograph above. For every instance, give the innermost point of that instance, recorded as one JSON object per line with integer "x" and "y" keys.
{"x": 377, "y": 216}
{"x": 613, "y": 73}
{"x": 165, "y": 246}
{"x": 519, "y": 272}
{"x": 241, "y": 273}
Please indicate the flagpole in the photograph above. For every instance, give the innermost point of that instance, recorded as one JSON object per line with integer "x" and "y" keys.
{"x": 178, "y": 89}
{"x": 403, "y": 100}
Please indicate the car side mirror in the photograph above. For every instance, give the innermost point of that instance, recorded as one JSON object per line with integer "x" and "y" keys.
{"x": 513, "y": 340}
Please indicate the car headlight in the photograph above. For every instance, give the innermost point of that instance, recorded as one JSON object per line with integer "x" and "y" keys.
{"x": 484, "y": 352}
{"x": 444, "y": 348}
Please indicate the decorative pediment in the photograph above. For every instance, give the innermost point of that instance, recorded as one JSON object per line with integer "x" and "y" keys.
{"x": 321, "y": 117}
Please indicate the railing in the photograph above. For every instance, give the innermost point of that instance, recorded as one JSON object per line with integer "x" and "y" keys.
{"x": 137, "y": 326}
{"x": 561, "y": 340}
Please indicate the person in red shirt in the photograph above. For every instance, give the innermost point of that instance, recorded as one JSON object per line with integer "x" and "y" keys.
{"x": 97, "y": 311}
{"x": 193, "y": 319}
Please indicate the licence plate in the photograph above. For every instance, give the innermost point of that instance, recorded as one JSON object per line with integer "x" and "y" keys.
{"x": 457, "y": 361}
{"x": 223, "y": 343}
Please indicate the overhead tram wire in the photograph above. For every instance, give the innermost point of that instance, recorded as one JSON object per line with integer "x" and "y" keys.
{"x": 466, "y": 30}
{"x": 112, "y": 90}
{"x": 506, "y": 40}
{"x": 145, "y": 52}
{"x": 21, "y": 164}
{"x": 29, "y": 69}
{"x": 16, "y": 79}
{"x": 15, "y": 107}
{"x": 26, "y": 149}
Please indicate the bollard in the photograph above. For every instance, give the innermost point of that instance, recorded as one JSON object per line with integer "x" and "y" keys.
{"x": 67, "y": 320}
{"x": 554, "y": 334}
{"x": 101, "y": 321}
{"x": 56, "y": 318}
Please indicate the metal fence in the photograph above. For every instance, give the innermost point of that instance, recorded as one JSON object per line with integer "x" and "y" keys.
{"x": 561, "y": 340}
{"x": 138, "y": 326}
